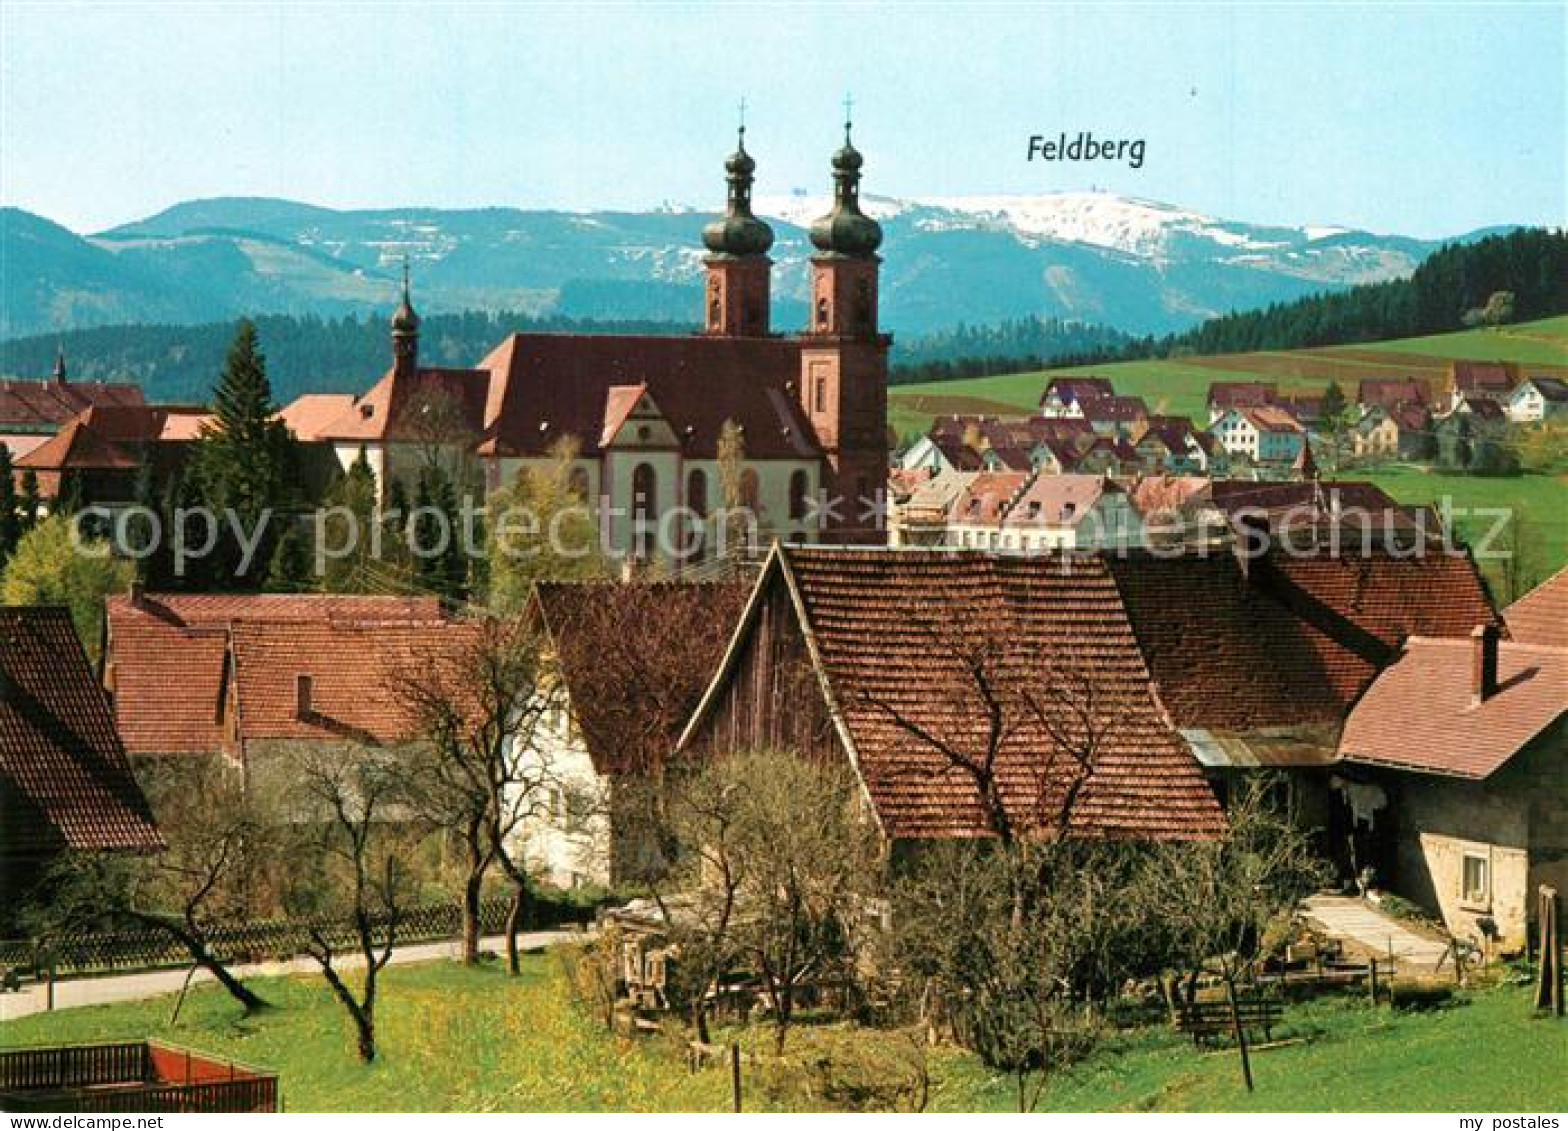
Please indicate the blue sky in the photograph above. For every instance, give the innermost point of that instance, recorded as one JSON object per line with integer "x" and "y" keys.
{"x": 1421, "y": 119}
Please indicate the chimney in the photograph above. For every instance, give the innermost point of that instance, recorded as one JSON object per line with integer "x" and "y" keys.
{"x": 303, "y": 686}
{"x": 1483, "y": 668}
{"x": 137, "y": 594}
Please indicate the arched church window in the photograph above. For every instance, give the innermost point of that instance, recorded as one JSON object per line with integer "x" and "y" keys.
{"x": 577, "y": 484}
{"x": 697, "y": 491}
{"x": 822, "y": 314}
{"x": 750, "y": 493}
{"x": 645, "y": 488}
{"x": 798, "y": 487}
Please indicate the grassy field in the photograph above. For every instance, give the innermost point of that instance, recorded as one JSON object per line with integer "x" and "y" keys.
{"x": 474, "y": 1040}
{"x": 1537, "y": 503}
{"x": 1180, "y": 386}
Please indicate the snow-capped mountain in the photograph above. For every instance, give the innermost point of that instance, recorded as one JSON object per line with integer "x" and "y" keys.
{"x": 1138, "y": 265}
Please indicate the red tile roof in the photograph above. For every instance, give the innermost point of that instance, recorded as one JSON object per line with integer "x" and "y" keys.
{"x": 44, "y": 405}
{"x": 388, "y": 410}
{"x": 1242, "y": 394}
{"x": 1391, "y": 392}
{"x": 1069, "y": 389}
{"x": 547, "y": 386}
{"x": 1056, "y": 500}
{"x": 356, "y": 671}
{"x": 1490, "y": 377}
{"x": 1421, "y": 713}
{"x": 1115, "y": 409}
{"x": 310, "y": 416}
{"x": 165, "y": 655}
{"x": 636, "y": 659}
{"x": 880, "y": 623}
{"x": 1541, "y": 615}
{"x": 1295, "y": 639}
{"x": 64, "y": 779}
{"x": 986, "y": 497}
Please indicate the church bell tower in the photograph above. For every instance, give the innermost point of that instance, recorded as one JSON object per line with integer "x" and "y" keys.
{"x": 843, "y": 385}
{"x": 738, "y": 290}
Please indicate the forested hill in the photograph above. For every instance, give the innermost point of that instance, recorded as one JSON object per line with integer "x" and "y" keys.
{"x": 310, "y": 354}
{"x": 305, "y": 354}
{"x": 1450, "y": 290}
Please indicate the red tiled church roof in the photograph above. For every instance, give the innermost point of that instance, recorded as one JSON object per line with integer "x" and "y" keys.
{"x": 64, "y": 779}
{"x": 547, "y": 386}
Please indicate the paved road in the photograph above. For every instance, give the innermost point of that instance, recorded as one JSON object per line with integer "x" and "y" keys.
{"x": 72, "y": 992}
{"x": 1374, "y": 932}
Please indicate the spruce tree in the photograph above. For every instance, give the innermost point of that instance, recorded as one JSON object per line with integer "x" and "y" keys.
{"x": 32, "y": 503}
{"x": 10, "y": 519}
{"x": 354, "y": 491}
{"x": 245, "y": 462}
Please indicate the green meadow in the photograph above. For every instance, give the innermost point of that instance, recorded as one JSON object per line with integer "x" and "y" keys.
{"x": 456, "y": 1039}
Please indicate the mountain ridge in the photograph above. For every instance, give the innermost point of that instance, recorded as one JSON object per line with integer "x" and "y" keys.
{"x": 1140, "y": 266}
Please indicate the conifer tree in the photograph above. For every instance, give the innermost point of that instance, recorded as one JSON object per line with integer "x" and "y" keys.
{"x": 31, "y": 503}
{"x": 245, "y": 462}
{"x": 10, "y": 519}
{"x": 353, "y": 492}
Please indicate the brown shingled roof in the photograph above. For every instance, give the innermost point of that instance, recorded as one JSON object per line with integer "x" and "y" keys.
{"x": 1295, "y": 639}
{"x": 877, "y": 621}
{"x": 546, "y": 386}
{"x": 165, "y": 655}
{"x": 27, "y": 405}
{"x": 64, "y": 779}
{"x": 1421, "y": 713}
{"x": 635, "y": 659}
{"x": 1541, "y": 615}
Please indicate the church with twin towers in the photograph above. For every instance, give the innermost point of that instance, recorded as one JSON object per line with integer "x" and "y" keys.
{"x": 645, "y": 412}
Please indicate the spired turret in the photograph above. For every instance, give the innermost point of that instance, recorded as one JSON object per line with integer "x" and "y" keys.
{"x": 846, "y": 231}
{"x": 405, "y": 330}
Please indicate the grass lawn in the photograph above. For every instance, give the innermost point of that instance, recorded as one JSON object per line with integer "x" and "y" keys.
{"x": 1180, "y": 387}
{"x": 474, "y": 1040}
{"x": 1540, "y": 503}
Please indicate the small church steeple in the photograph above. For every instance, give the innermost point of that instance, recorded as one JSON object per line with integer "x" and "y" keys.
{"x": 738, "y": 290}
{"x": 405, "y": 330}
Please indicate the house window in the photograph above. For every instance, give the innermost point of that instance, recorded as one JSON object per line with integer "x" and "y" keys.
{"x": 644, "y": 488}
{"x": 821, "y": 394}
{"x": 1475, "y": 880}
{"x": 750, "y": 495}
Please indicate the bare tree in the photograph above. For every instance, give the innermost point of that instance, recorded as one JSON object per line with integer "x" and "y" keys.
{"x": 787, "y": 867}
{"x": 349, "y": 860}
{"x": 485, "y": 768}
{"x": 207, "y": 878}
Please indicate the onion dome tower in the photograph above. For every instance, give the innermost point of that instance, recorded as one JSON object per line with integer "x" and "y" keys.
{"x": 739, "y": 270}
{"x": 847, "y": 231}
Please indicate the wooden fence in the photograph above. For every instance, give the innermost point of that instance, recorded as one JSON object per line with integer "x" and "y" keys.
{"x": 151, "y": 949}
{"x": 130, "y": 1076}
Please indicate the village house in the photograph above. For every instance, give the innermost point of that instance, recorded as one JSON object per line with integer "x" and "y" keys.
{"x": 1264, "y": 435}
{"x": 1537, "y": 398}
{"x": 1118, "y": 417}
{"x": 1468, "y": 739}
{"x": 1065, "y": 397}
{"x": 235, "y": 675}
{"x": 646, "y": 412}
{"x": 1400, "y": 431}
{"x": 622, "y": 690}
{"x": 1489, "y": 380}
{"x": 65, "y": 782}
{"x": 98, "y": 456}
{"x": 919, "y": 517}
{"x": 1227, "y": 395}
{"x": 33, "y": 410}
{"x": 974, "y": 517}
{"x": 1391, "y": 392}
{"x": 1172, "y": 444}
{"x": 1471, "y": 433}
{"x": 1070, "y": 512}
